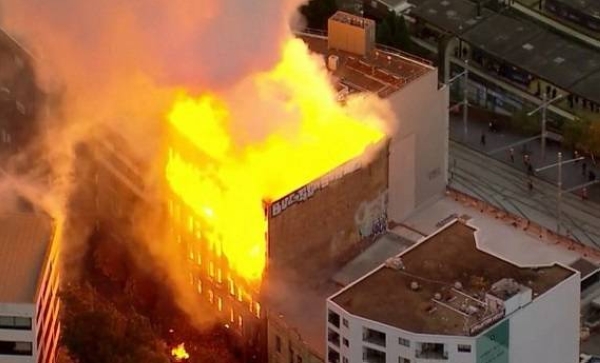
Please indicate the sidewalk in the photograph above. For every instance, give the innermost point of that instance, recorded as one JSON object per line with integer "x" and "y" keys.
{"x": 572, "y": 173}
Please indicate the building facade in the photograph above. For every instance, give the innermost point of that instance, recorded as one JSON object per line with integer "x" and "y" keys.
{"x": 347, "y": 209}
{"x": 29, "y": 306}
{"x": 227, "y": 294}
{"x": 423, "y": 308}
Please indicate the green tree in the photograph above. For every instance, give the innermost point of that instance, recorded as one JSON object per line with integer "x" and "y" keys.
{"x": 574, "y": 132}
{"x": 592, "y": 138}
{"x": 95, "y": 331}
{"x": 524, "y": 124}
{"x": 393, "y": 31}
{"x": 317, "y": 12}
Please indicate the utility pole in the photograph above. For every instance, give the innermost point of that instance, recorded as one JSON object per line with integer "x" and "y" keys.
{"x": 559, "y": 194}
{"x": 544, "y": 108}
{"x": 465, "y": 102}
{"x": 466, "y": 98}
{"x": 559, "y": 190}
{"x": 544, "y": 98}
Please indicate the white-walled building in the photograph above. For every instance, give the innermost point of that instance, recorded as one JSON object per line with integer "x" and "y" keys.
{"x": 29, "y": 307}
{"x": 446, "y": 300}
{"x": 354, "y": 202}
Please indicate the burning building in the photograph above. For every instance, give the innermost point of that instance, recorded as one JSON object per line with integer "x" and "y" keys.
{"x": 313, "y": 235}
{"x": 219, "y": 198}
{"x": 226, "y": 191}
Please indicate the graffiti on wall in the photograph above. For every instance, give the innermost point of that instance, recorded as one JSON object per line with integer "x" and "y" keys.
{"x": 371, "y": 216}
{"x": 298, "y": 196}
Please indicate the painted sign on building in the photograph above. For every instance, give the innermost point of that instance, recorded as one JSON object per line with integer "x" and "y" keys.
{"x": 492, "y": 347}
{"x": 371, "y": 216}
{"x": 295, "y": 197}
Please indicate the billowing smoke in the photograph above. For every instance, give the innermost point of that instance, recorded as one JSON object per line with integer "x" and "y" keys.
{"x": 123, "y": 64}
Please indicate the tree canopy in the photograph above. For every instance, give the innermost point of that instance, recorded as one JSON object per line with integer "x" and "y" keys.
{"x": 392, "y": 31}
{"x": 317, "y": 12}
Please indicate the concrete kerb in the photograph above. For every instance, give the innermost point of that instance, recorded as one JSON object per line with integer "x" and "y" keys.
{"x": 529, "y": 227}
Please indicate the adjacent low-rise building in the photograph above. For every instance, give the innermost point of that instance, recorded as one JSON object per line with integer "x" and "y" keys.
{"x": 29, "y": 306}
{"x": 445, "y": 299}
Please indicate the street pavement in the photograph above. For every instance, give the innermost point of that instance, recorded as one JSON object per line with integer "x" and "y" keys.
{"x": 496, "y": 180}
{"x": 496, "y": 146}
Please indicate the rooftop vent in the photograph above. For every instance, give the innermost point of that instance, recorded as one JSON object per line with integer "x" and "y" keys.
{"x": 437, "y": 296}
{"x": 332, "y": 62}
{"x": 528, "y": 46}
{"x": 394, "y": 263}
{"x": 458, "y": 285}
{"x": 414, "y": 286}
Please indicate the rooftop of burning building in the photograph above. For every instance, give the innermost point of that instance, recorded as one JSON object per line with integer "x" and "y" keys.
{"x": 443, "y": 284}
{"x": 25, "y": 237}
{"x": 380, "y": 69}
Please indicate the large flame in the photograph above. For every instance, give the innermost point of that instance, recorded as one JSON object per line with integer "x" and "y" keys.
{"x": 228, "y": 177}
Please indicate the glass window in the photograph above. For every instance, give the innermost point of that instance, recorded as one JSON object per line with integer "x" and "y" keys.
{"x": 333, "y": 318}
{"x": 404, "y": 342}
{"x": 6, "y": 322}
{"x": 24, "y": 323}
{"x": 15, "y": 322}
{"x": 23, "y": 346}
{"x": 373, "y": 336}
{"x": 464, "y": 348}
{"x": 257, "y": 311}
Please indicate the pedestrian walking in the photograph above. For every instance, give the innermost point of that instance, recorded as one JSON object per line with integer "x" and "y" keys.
{"x": 512, "y": 155}
{"x": 576, "y": 155}
{"x": 526, "y": 159}
{"x": 583, "y": 168}
{"x": 483, "y": 139}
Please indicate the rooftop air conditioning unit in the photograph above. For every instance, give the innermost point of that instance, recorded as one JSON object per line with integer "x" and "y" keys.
{"x": 333, "y": 62}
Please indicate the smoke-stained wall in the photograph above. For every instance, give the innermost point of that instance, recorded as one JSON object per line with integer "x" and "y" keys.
{"x": 312, "y": 231}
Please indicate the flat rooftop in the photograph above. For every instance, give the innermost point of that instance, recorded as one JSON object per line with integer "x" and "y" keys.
{"x": 454, "y": 16}
{"x": 24, "y": 240}
{"x": 384, "y": 72}
{"x": 523, "y": 43}
{"x": 591, "y": 7}
{"x": 437, "y": 264}
{"x": 584, "y": 266}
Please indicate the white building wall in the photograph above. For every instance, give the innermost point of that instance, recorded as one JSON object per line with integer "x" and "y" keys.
{"x": 24, "y": 311}
{"x": 393, "y": 349}
{"x": 422, "y": 112}
{"x": 547, "y": 330}
{"x": 544, "y": 331}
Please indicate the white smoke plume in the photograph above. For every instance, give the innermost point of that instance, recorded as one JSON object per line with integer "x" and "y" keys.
{"x": 122, "y": 64}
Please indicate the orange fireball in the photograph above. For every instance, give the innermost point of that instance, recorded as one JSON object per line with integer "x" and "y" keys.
{"x": 224, "y": 180}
